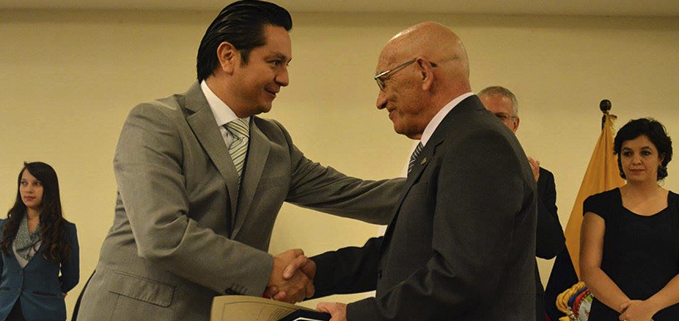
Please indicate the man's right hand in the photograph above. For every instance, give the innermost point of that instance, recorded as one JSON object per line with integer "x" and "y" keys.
{"x": 288, "y": 281}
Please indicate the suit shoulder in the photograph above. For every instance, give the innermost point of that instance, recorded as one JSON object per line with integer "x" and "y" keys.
{"x": 545, "y": 175}
{"x": 70, "y": 227}
{"x": 268, "y": 124}
{"x": 167, "y": 105}
{"x": 71, "y": 232}
{"x": 272, "y": 129}
{"x": 545, "y": 172}
{"x": 162, "y": 113}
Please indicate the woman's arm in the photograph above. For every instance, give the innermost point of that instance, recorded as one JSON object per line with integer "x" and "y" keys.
{"x": 644, "y": 310}
{"x": 70, "y": 269}
{"x": 591, "y": 252}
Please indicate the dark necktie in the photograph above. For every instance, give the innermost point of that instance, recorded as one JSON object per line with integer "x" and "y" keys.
{"x": 413, "y": 157}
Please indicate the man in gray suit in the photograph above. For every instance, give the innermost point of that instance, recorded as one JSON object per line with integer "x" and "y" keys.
{"x": 201, "y": 179}
{"x": 461, "y": 244}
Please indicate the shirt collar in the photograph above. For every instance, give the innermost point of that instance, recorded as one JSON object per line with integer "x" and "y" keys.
{"x": 222, "y": 112}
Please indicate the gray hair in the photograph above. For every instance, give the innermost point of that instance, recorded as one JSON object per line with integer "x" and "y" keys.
{"x": 500, "y": 91}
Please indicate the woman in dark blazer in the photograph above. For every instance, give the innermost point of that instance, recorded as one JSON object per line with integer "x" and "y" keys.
{"x": 37, "y": 244}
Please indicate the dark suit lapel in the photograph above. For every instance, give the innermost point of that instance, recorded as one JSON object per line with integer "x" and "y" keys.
{"x": 429, "y": 152}
{"x": 204, "y": 126}
{"x": 421, "y": 163}
{"x": 258, "y": 151}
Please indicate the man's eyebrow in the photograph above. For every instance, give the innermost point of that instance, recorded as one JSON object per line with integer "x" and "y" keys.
{"x": 279, "y": 55}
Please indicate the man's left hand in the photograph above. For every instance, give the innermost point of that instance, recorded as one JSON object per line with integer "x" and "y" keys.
{"x": 338, "y": 311}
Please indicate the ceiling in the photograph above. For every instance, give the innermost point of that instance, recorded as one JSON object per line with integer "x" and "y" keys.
{"x": 664, "y": 8}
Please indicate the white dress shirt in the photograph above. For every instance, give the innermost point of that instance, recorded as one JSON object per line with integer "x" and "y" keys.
{"x": 223, "y": 113}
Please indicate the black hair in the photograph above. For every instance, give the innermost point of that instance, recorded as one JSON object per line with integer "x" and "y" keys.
{"x": 655, "y": 132}
{"x": 242, "y": 25}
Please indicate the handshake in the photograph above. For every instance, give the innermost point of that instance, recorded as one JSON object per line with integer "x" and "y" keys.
{"x": 291, "y": 278}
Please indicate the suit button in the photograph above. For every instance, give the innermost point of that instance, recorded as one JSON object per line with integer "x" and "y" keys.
{"x": 379, "y": 274}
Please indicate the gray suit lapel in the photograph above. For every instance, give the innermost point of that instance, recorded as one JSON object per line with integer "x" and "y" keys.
{"x": 258, "y": 151}
{"x": 204, "y": 126}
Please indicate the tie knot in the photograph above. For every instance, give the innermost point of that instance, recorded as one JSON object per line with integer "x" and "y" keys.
{"x": 417, "y": 151}
{"x": 414, "y": 155}
{"x": 238, "y": 128}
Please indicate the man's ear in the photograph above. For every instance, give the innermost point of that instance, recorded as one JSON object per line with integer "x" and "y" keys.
{"x": 228, "y": 57}
{"x": 426, "y": 73}
{"x": 517, "y": 121}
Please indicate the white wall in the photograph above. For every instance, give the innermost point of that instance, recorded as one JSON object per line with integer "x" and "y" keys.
{"x": 68, "y": 79}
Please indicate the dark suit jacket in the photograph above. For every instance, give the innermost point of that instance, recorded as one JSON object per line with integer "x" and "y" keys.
{"x": 462, "y": 243}
{"x": 184, "y": 233}
{"x": 38, "y": 284}
{"x": 550, "y": 239}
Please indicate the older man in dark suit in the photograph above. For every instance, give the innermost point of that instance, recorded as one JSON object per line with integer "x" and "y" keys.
{"x": 461, "y": 245}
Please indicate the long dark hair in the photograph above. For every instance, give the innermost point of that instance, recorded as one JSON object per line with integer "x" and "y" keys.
{"x": 52, "y": 223}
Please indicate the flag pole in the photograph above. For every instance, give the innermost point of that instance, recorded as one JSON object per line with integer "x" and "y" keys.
{"x": 605, "y": 106}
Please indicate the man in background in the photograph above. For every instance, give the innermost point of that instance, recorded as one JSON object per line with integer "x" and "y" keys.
{"x": 201, "y": 179}
{"x": 550, "y": 239}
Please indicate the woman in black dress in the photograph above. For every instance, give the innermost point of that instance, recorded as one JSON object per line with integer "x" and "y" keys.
{"x": 629, "y": 255}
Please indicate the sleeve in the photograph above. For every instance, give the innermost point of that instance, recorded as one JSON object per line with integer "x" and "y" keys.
{"x": 148, "y": 167}
{"x": 596, "y": 204}
{"x": 347, "y": 270}
{"x": 472, "y": 237}
{"x": 327, "y": 190}
{"x": 70, "y": 268}
{"x": 549, "y": 237}
{"x": 2, "y": 257}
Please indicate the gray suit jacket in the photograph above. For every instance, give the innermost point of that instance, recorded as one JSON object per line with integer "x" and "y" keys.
{"x": 180, "y": 236}
{"x": 462, "y": 243}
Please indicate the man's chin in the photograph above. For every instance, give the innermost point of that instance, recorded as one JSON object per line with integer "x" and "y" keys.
{"x": 264, "y": 109}
{"x": 400, "y": 131}
{"x": 407, "y": 133}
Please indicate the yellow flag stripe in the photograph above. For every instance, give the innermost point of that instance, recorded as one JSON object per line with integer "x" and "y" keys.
{"x": 602, "y": 174}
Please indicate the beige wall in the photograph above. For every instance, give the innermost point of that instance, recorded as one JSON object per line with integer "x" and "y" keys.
{"x": 68, "y": 80}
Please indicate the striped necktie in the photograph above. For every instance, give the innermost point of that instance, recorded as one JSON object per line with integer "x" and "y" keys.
{"x": 240, "y": 130}
{"x": 413, "y": 157}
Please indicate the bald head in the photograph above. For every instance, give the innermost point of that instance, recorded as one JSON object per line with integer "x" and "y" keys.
{"x": 435, "y": 42}
{"x": 419, "y": 71}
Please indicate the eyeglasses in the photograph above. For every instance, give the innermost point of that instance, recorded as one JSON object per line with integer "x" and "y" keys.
{"x": 504, "y": 117}
{"x": 381, "y": 77}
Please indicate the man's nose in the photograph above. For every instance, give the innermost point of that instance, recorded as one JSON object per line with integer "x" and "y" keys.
{"x": 282, "y": 78}
{"x": 381, "y": 102}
